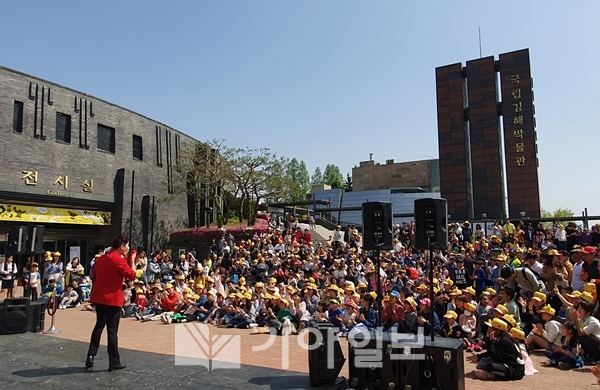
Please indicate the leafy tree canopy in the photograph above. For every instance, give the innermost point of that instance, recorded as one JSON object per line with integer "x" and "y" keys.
{"x": 333, "y": 177}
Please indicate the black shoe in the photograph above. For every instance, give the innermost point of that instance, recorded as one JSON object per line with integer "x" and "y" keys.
{"x": 119, "y": 367}
{"x": 89, "y": 362}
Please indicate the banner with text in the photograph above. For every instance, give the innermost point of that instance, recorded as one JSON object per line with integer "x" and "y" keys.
{"x": 20, "y": 213}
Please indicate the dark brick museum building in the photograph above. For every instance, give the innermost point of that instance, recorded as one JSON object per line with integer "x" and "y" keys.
{"x": 74, "y": 163}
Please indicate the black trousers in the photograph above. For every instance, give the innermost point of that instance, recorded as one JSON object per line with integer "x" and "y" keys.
{"x": 590, "y": 345}
{"x": 503, "y": 371}
{"x": 108, "y": 316}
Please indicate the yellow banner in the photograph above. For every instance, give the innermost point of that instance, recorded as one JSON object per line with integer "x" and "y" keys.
{"x": 19, "y": 213}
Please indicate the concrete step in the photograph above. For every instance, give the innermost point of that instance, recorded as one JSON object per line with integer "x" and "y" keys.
{"x": 320, "y": 234}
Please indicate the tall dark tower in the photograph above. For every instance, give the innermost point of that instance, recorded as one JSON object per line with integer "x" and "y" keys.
{"x": 520, "y": 139}
{"x": 453, "y": 137}
{"x": 486, "y": 133}
{"x": 472, "y": 102}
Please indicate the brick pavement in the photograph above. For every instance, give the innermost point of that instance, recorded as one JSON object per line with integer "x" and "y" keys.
{"x": 156, "y": 337}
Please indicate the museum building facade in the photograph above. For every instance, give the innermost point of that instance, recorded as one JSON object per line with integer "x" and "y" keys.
{"x": 85, "y": 168}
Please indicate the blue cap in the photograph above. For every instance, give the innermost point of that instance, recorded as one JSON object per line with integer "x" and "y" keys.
{"x": 395, "y": 294}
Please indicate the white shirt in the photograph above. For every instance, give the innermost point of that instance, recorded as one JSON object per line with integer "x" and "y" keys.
{"x": 8, "y": 270}
{"x": 338, "y": 235}
{"x": 576, "y": 281}
{"x": 537, "y": 267}
{"x": 590, "y": 326}
{"x": 458, "y": 232}
{"x": 552, "y": 332}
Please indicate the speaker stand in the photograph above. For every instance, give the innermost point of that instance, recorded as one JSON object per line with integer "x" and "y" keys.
{"x": 53, "y": 329}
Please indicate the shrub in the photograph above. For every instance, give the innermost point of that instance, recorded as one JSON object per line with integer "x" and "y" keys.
{"x": 204, "y": 234}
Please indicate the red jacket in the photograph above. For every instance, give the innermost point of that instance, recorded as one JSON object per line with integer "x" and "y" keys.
{"x": 141, "y": 302}
{"x": 110, "y": 271}
{"x": 307, "y": 238}
{"x": 168, "y": 303}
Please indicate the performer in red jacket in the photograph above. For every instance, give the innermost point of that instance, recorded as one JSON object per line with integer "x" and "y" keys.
{"x": 110, "y": 271}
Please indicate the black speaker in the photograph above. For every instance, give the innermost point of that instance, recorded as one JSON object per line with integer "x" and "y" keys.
{"x": 35, "y": 240}
{"x": 377, "y": 220}
{"x": 442, "y": 366}
{"x": 15, "y": 316}
{"x": 320, "y": 340}
{"x": 17, "y": 240}
{"x": 371, "y": 365}
{"x": 431, "y": 220}
{"x": 37, "y": 316}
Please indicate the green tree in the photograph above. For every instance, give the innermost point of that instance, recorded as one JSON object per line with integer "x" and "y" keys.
{"x": 333, "y": 177}
{"x": 304, "y": 178}
{"x": 298, "y": 181}
{"x": 348, "y": 183}
{"x": 317, "y": 177}
{"x": 558, "y": 213}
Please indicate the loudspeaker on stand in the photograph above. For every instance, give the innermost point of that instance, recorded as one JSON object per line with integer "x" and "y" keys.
{"x": 431, "y": 220}
{"x": 17, "y": 240}
{"x": 35, "y": 240}
{"x": 377, "y": 218}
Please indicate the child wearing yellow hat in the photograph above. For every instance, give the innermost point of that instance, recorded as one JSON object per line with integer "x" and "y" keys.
{"x": 519, "y": 337}
{"x": 503, "y": 357}
{"x": 545, "y": 336}
{"x": 484, "y": 311}
{"x": 468, "y": 324}
{"x": 450, "y": 327}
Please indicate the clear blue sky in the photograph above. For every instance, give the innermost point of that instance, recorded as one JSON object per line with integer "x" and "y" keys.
{"x": 322, "y": 81}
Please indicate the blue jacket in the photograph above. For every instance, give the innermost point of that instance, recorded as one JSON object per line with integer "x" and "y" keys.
{"x": 370, "y": 317}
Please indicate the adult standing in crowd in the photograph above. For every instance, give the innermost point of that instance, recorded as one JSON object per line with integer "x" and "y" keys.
{"x": 8, "y": 272}
{"x": 110, "y": 271}
{"x": 74, "y": 270}
{"x": 53, "y": 269}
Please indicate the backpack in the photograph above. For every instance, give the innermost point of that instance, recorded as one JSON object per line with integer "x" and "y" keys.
{"x": 539, "y": 280}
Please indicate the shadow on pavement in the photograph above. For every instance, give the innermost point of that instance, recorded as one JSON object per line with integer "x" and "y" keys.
{"x": 40, "y": 372}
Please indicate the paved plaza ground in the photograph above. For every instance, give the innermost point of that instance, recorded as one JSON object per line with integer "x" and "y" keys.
{"x": 56, "y": 361}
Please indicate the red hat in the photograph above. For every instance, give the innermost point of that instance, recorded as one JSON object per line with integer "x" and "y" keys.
{"x": 352, "y": 304}
{"x": 589, "y": 249}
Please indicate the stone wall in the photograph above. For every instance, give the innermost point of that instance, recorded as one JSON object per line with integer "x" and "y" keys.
{"x": 372, "y": 176}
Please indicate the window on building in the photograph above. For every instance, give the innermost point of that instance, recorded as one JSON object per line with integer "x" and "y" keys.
{"x": 106, "y": 138}
{"x": 18, "y": 117}
{"x": 137, "y": 148}
{"x": 63, "y": 127}
{"x": 159, "y": 147}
